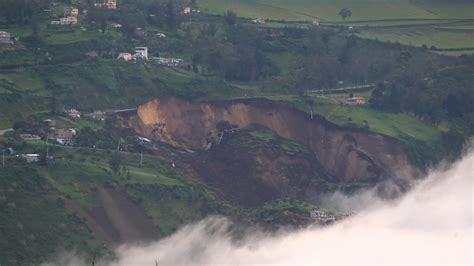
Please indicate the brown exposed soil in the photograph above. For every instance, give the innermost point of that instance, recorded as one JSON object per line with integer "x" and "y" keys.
{"x": 118, "y": 220}
{"x": 250, "y": 172}
{"x": 348, "y": 154}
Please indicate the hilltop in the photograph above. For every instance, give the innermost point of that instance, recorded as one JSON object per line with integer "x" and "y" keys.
{"x": 445, "y": 26}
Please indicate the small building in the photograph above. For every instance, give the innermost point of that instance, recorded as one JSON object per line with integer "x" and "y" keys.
{"x": 110, "y": 4}
{"x": 140, "y": 32}
{"x": 169, "y": 62}
{"x": 258, "y": 21}
{"x": 187, "y": 10}
{"x": 29, "y": 137}
{"x": 64, "y": 135}
{"x": 11, "y": 151}
{"x": 71, "y": 12}
{"x": 50, "y": 122}
{"x": 143, "y": 140}
{"x": 160, "y": 35}
{"x": 5, "y": 37}
{"x": 141, "y": 53}
{"x": 356, "y": 100}
{"x": 67, "y": 21}
{"x": 55, "y": 22}
{"x": 125, "y": 56}
{"x": 316, "y": 23}
{"x": 73, "y": 113}
{"x": 115, "y": 25}
{"x": 72, "y": 20}
{"x": 30, "y": 158}
{"x": 322, "y": 217}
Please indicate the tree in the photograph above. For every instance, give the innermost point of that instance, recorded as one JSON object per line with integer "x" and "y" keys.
{"x": 115, "y": 163}
{"x": 53, "y": 105}
{"x": 98, "y": 16}
{"x": 171, "y": 15}
{"x": 345, "y": 13}
{"x": 377, "y": 99}
{"x": 230, "y": 18}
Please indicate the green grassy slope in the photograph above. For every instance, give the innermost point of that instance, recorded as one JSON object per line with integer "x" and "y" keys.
{"x": 376, "y": 14}
{"x": 422, "y": 140}
{"x": 395, "y": 125}
{"x": 97, "y": 85}
{"x": 35, "y": 223}
{"x": 442, "y": 37}
{"x": 166, "y": 195}
{"x": 328, "y": 10}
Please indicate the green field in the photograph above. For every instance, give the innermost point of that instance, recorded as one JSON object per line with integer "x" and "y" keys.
{"x": 387, "y": 20}
{"x": 98, "y": 85}
{"x": 327, "y": 10}
{"x": 391, "y": 124}
{"x": 446, "y": 37}
{"x": 35, "y": 222}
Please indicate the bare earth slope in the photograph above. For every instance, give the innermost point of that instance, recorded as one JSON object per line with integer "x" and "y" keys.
{"x": 345, "y": 153}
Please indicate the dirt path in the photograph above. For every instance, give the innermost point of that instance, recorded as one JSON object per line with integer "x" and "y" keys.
{"x": 128, "y": 219}
{"x": 92, "y": 223}
{"x": 118, "y": 221}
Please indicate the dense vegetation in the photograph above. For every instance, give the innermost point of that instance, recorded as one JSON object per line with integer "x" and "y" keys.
{"x": 35, "y": 221}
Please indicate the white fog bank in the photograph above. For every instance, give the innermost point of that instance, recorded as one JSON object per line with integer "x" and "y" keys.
{"x": 432, "y": 224}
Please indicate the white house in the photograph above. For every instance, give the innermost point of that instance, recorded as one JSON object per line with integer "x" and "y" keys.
{"x": 142, "y": 139}
{"x": 141, "y": 53}
{"x": 67, "y": 21}
{"x": 110, "y": 4}
{"x": 30, "y": 158}
{"x": 73, "y": 113}
{"x": 258, "y": 21}
{"x": 5, "y": 37}
{"x": 72, "y": 20}
{"x": 30, "y": 137}
{"x": 115, "y": 25}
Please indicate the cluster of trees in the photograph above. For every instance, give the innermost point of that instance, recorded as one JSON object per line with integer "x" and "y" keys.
{"x": 134, "y": 14}
{"x": 447, "y": 95}
{"x": 107, "y": 138}
{"x": 14, "y": 12}
{"x": 323, "y": 59}
{"x": 229, "y": 50}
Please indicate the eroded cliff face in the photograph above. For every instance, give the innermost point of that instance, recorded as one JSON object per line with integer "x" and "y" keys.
{"x": 347, "y": 154}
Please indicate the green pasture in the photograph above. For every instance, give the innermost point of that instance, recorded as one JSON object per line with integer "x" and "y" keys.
{"x": 447, "y": 37}
{"x": 398, "y": 125}
{"x": 327, "y": 10}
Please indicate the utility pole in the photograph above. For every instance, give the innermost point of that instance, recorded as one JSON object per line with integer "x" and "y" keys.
{"x": 3, "y": 158}
{"x": 47, "y": 147}
{"x": 141, "y": 158}
{"x": 118, "y": 145}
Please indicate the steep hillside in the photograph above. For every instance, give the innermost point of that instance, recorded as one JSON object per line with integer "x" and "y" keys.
{"x": 35, "y": 220}
{"x": 347, "y": 154}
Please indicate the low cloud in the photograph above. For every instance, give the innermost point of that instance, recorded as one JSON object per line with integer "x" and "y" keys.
{"x": 432, "y": 224}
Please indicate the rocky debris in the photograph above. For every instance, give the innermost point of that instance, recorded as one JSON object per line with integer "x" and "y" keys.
{"x": 345, "y": 153}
